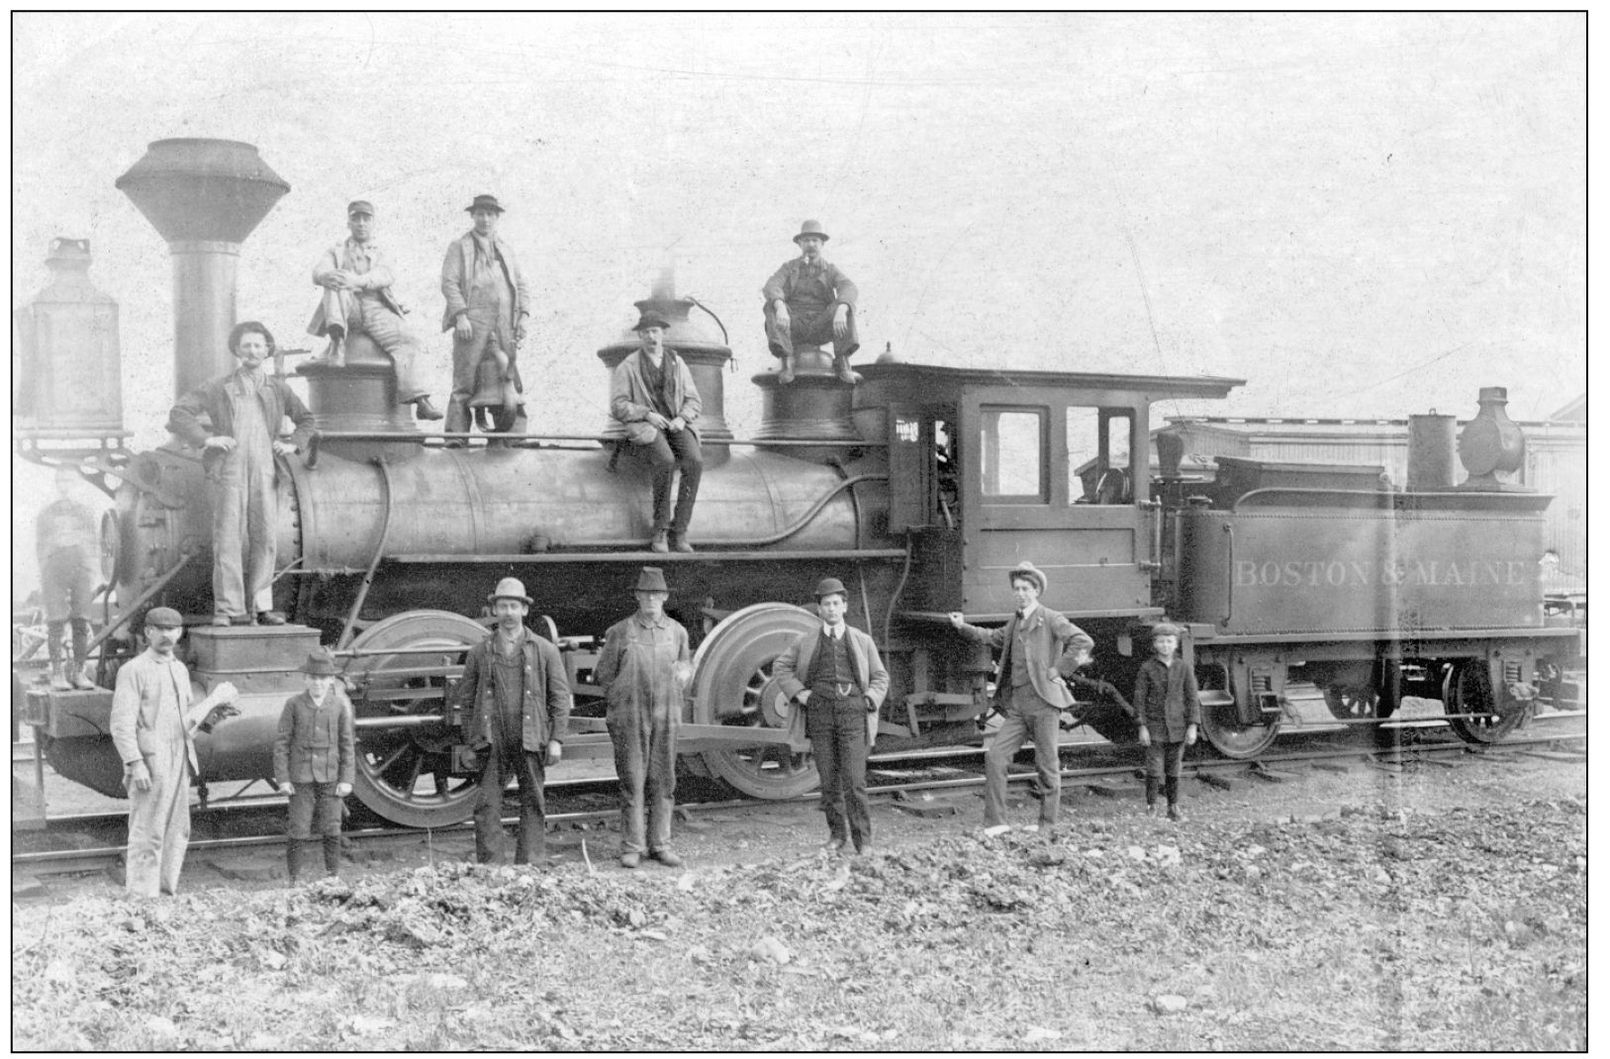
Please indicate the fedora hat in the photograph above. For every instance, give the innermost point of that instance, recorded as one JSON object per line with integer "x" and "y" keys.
{"x": 827, "y": 586}
{"x": 1030, "y": 571}
{"x": 651, "y": 318}
{"x": 487, "y": 202}
{"x": 510, "y": 588}
{"x": 652, "y": 579}
{"x": 164, "y": 618}
{"x": 320, "y": 663}
{"x": 812, "y": 228}
{"x": 360, "y": 206}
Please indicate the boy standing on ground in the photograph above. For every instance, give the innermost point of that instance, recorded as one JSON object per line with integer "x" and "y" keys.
{"x": 314, "y": 762}
{"x": 1169, "y": 709}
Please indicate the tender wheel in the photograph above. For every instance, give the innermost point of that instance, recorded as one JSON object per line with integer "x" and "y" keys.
{"x": 1468, "y": 689}
{"x": 733, "y": 685}
{"x": 1219, "y": 723}
{"x": 1351, "y": 703}
{"x": 404, "y": 772}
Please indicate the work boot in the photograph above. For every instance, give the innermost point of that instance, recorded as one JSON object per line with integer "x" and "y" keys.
{"x": 295, "y": 859}
{"x": 631, "y": 860}
{"x": 841, "y": 370}
{"x": 458, "y": 419}
{"x": 270, "y": 617}
{"x": 679, "y": 543}
{"x": 77, "y": 677}
{"x": 667, "y": 858}
{"x": 332, "y": 855}
{"x": 423, "y": 409}
{"x": 660, "y": 542}
{"x": 221, "y": 621}
{"x": 335, "y": 354}
{"x": 788, "y": 369}
{"x": 59, "y": 681}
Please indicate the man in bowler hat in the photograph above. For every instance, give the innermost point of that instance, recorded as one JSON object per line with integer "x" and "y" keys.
{"x": 653, "y": 396}
{"x": 643, "y": 670}
{"x": 835, "y": 675}
{"x": 1031, "y": 693}
{"x": 516, "y": 699}
{"x": 809, "y": 300}
{"x": 487, "y": 304}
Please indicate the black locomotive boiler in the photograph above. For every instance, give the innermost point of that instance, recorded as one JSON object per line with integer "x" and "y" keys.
{"x": 920, "y": 487}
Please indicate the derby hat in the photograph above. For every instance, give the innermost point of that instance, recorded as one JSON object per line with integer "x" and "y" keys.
{"x": 320, "y": 663}
{"x": 812, "y": 228}
{"x": 652, "y": 579}
{"x": 360, "y": 206}
{"x": 651, "y": 318}
{"x": 484, "y": 202}
{"x": 1165, "y": 628}
{"x": 164, "y": 618}
{"x": 510, "y": 588}
{"x": 827, "y": 586}
{"x": 1030, "y": 571}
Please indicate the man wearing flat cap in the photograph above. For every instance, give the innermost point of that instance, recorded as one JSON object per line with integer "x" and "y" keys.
{"x": 653, "y": 396}
{"x": 357, "y": 298}
{"x": 643, "y": 669}
{"x": 153, "y": 724}
{"x": 835, "y": 676}
{"x": 487, "y": 306}
{"x": 1031, "y": 692}
{"x": 809, "y": 300}
{"x": 315, "y": 762}
{"x": 516, "y": 700}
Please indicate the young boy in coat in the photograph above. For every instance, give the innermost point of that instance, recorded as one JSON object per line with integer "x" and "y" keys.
{"x": 314, "y": 760}
{"x": 1169, "y": 709}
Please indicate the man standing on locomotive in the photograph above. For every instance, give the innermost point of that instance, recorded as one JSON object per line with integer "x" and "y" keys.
{"x": 234, "y": 419}
{"x": 835, "y": 675}
{"x": 643, "y": 670}
{"x": 653, "y": 395}
{"x": 1030, "y": 693}
{"x": 153, "y": 726}
{"x": 69, "y": 552}
{"x": 809, "y": 300}
{"x": 517, "y": 702}
{"x": 487, "y": 306}
{"x": 357, "y": 298}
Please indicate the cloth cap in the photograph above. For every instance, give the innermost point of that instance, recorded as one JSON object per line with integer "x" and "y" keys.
{"x": 652, "y": 319}
{"x": 486, "y": 202}
{"x": 164, "y": 618}
{"x": 1030, "y": 571}
{"x": 320, "y": 663}
{"x": 1165, "y": 628}
{"x": 812, "y": 228}
{"x": 510, "y": 588}
{"x": 360, "y": 206}
{"x": 829, "y": 585}
{"x": 652, "y": 579}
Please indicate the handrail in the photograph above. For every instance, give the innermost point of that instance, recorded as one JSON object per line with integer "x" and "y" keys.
{"x": 144, "y": 597}
{"x": 374, "y": 563}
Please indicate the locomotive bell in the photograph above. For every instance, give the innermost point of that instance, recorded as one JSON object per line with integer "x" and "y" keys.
{"x": 70, "y": 384}
{"x": 1491, "y": 444}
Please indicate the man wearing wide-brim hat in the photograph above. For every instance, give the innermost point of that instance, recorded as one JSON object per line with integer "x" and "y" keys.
{"x": 835, "y": 677}
{"x": 515, "y": 698}
{"x": 809, "y": 300}
{"x": 653, "y": 397}
{"x": 315, "y": 757}
{"x": 1031, "y": 692}
{"x": 153, "y": 725}
{"x": 644, "y": 668}
{"x": 487, "y": 302}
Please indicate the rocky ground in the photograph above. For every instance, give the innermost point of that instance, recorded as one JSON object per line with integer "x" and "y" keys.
{"x": 1440, "y": 908}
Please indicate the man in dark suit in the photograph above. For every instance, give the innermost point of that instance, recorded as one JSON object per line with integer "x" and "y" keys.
{"x": 487, "y": 304}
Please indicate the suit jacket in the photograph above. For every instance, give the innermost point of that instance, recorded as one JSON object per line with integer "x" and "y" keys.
{"x": 315, "y": 744}
{"x": 459, "y": 266}
{"x": 212, "y": 400}
{"x": 134, "y": 707}
{"x": 631, "y": 399}
{"x": 545, "y": 711}
{"x": 870, "y": 676}
{"x": 1166, "y": 699}
{"x": 378, "y": 281}
{"x": 1046, "y": 635}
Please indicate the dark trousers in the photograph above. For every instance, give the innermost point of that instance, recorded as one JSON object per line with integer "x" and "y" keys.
{"x": 314, "y": 812}
{"x": 1163, "y": 764}
{"x": 668, "y": 454}
{"x": 806, "y": 328}
{"x": 1027, "y": 717}
{"x": 645, "y": 761}
{"x": 496, "y": 763}
{"x": 837, "y": 729}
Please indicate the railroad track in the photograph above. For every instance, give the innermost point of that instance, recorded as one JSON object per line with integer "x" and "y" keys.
{"x": 885, "y": 783}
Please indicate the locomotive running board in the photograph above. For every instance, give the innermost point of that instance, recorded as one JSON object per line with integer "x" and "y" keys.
{"x": 658, "y": 558}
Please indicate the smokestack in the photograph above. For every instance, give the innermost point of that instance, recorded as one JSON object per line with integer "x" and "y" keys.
{"x": 204, "y": 197}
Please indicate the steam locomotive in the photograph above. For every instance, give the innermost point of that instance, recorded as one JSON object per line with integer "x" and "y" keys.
{"x": 920, "y": 487}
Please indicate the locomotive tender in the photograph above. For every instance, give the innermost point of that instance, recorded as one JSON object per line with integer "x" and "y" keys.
{"x": 920, "y": 487}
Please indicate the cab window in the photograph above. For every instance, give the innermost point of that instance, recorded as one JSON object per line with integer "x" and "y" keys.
{"x": 1099, "y": 465}
{"x": 1012, "y": 447}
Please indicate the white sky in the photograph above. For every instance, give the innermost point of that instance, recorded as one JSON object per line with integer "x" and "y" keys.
{"x": 1362, "y": 215}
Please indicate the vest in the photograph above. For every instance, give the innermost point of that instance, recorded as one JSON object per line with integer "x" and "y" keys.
{"x": 832, "y": 670}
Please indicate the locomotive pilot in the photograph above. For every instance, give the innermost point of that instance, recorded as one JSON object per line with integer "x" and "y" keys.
{"x": 153, "y": 725}
{"x": 809, "y": 300}
{"x": 234, "y": 420}
{"x": 516, "y": 698}
{"x": 1168, "y": 707}
{"x": 357, "y": 298}
{"x": 69, "y": 548}
{"x": 643, "y": 669}
{"x": 487, "y": 303}
{"x": 1030, "y": 693}
{"x": 653, "y": 395}
{"x": 835, "y": 676}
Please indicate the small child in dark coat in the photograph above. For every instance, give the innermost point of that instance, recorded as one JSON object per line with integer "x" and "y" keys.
{"x": 314, "y": 761}
{"x": 1169, "y": 709}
